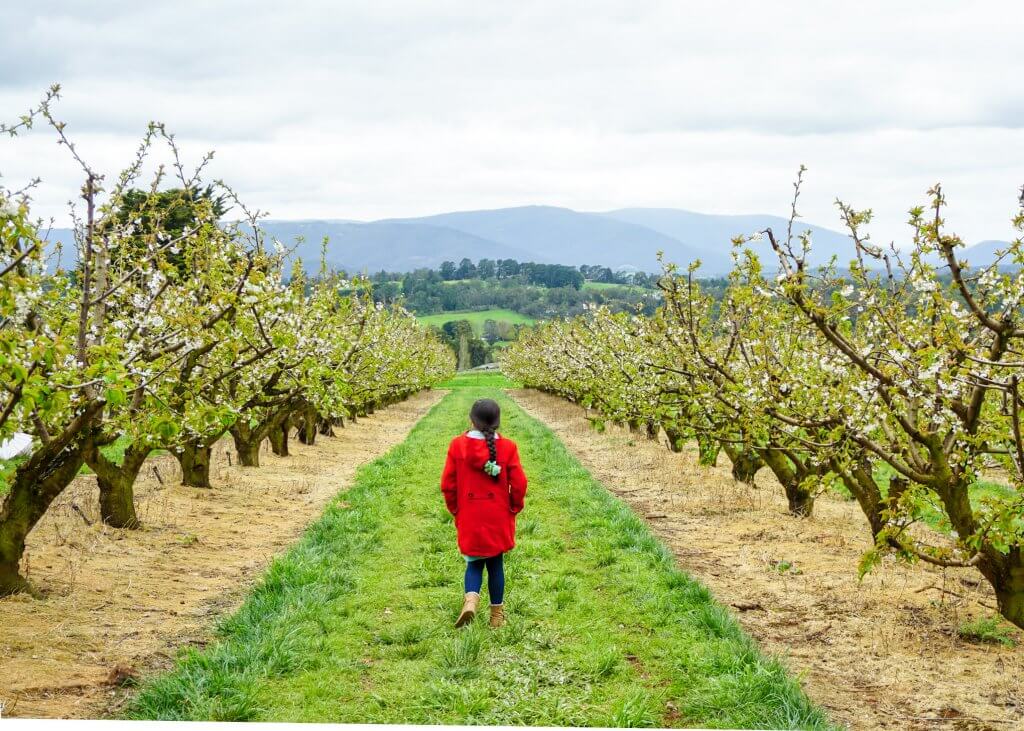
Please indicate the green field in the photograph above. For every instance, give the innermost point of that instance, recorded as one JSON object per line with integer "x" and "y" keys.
{"x": 354, "y": 624}
{"x": 479, "y": 379}
{"x": 476, "y": 318}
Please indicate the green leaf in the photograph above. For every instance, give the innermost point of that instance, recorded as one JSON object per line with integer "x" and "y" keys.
{"x": 115, "y": 397}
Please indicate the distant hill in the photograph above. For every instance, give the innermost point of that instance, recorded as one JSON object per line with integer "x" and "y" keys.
{"x": 564, "y": 236}
{"x": 367, "y": 247}
{"x": 711, "y": 235}
{"x": 983, "y": 253}
{"x": 388, "y": 245}
{"x": 68, "y": 253}
{"x": 624, "y": 238}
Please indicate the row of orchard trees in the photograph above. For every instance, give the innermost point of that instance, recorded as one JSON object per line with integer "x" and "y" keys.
{"x": 170, "y": 331}
{"x": 897, "y": 378}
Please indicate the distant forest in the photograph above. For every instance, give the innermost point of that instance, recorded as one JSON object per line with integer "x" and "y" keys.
{"x": 542, "y": 291}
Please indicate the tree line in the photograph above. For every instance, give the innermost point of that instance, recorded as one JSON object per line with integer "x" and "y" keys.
{"x": 426, "y": 291}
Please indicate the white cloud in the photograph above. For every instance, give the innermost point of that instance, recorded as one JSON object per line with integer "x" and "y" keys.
{"x": 353, "y": 110}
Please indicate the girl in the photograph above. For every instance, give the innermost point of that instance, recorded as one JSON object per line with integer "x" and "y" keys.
{"x": 484, "y": 487}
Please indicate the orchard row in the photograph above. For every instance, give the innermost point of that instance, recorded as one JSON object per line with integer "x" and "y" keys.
{"x": 169, "y": 330}
{"x": 895, "y": 377}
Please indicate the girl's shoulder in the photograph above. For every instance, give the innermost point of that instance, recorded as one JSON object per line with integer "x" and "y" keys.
{"x": 507, "y": 443}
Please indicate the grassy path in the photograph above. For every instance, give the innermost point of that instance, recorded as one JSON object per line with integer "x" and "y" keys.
{"x": 354, "y": 623}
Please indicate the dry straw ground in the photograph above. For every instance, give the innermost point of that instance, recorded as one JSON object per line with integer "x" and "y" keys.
{"x": 121, "y": 603}
{"x": 882, "y": 653}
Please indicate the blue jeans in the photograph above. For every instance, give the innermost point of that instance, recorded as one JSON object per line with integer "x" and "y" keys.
{"x": 495, "y": 577}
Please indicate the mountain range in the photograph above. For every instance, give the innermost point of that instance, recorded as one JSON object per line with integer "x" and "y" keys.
{"x": 626, "y": 238}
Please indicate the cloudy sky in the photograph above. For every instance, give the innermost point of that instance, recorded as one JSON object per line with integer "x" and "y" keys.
{"x": 366, "y": 110}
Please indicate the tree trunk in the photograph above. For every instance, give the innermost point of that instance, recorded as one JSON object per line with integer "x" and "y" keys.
{"x": 1003, "y": 567}
{"x": 116, "y": 483}
{"x": 279, "y": 439}
{"x": 194, "y": 459}
{"x": 708, "y": 451}
{"x": 463, "y": 361}
{"x": 801, "y": 502}
{"x": 117, "y": 501}
{"x": 36, "y": 484}
{"x": 247, "y": 444}
{"x": 745, "y": 462}
{"x": 798, "y": 497}
{"x": 307, "y": 429}
{"x": 675, "y": 438}
{"x": 635, "y": 425}
{"x": 860, "y": 481}
{"x": 653, "y": 430}
{"x": 326, "y": 428}
{"x": 1006, "y": 574}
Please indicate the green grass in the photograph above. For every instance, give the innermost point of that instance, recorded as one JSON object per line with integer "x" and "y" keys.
{"x": 479, "y": 379}
{"x": 476, "y": 318}
{"x": 988, "y": 630}
{"x": 611, "y": 285}
{"x": 354, "y": 623}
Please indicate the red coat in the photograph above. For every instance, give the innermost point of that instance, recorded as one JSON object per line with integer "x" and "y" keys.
{"x": 484, "y": 510}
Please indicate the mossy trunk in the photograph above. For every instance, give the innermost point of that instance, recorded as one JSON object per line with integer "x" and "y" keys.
{"x": 859, "y": 480}
{"x": 707, "y": 449}
{"x": 1006, "y": 574}
{"x": 117, "y": 501}
{"x": 800, "y": 502}
{"x": 307, "y": 427}
{"x": 279, "y": 439}
{"x": 36, "y": 484}
{"x": 635, "y": 425}
{"x": 676, "y": 439}
{"x": 116, "y": 484}
{"x": 798, "y": 497}
{"x": 745, "y": 461}
{"x": 1003, "y": 567}
{"x": 248, "y": 453}
{"x": 653, "y": 430}
{"x": 194, "y": 459}
{"x": 247, "y": 444}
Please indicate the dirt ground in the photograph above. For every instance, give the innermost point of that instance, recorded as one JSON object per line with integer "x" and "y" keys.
{"x": 883, "y": 653}
{"x": 120, "y": 604}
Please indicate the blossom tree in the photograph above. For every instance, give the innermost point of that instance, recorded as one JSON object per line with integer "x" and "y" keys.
{"x": 927, "y": 384}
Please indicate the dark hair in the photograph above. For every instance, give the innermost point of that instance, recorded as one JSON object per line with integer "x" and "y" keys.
{"x": 486, "y": 416}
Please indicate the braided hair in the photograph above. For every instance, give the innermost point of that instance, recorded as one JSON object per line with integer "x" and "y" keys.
{"x": 486, "y": 417}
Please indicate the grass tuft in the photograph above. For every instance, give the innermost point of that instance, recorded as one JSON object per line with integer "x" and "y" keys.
{"x": 988, "y": 630}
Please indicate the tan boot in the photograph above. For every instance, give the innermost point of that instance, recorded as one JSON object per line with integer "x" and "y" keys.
{"x": 468, "y": 609}
{"x": 497, "y": 615}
